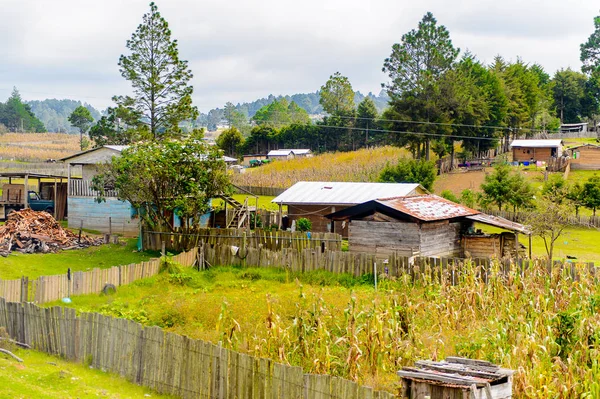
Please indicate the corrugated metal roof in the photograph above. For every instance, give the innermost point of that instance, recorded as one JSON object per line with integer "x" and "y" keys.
{"x": 286, "y": 152}
{"x": 428, "y": 207}
{"x": 342, "y": 193}
{"x": 554, "y": 143}
{"x": 499, "y": 222}
{"x": 117, "y": 147}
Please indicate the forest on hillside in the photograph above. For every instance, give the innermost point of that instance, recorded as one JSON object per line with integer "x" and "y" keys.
{"x": 54, "y": 113}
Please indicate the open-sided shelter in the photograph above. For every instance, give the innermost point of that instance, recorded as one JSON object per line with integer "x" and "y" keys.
{"x": 426, "y": 225}
{"x": 536, "y": 150}
{"x": 289, "y": 153}
{"x": 313, "y": 200}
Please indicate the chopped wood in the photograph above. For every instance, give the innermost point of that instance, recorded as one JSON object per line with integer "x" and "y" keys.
{"x": 28, "y": 231}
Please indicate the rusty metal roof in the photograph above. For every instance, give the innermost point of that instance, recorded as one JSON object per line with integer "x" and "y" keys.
{"x": 428, "y": 207}
{"x": 497, "y": 221}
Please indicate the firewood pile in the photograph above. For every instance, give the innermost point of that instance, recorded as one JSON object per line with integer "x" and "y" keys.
{"x": 28, "y": 231}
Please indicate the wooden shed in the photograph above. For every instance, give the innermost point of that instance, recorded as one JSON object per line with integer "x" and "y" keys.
{"x": 289, "y": 153}
{"x": 585, "y": 157}
{"x": 456, "y": 378}
{"x": 424, "y": 225}
{"x": 536, "y": 150}
{"x": 314, "y": 200}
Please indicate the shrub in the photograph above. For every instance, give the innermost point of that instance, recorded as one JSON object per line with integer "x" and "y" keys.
{"x": 449, "y": 195}
{"x": 303, "y": 224}
{"x": 410, "y": 171}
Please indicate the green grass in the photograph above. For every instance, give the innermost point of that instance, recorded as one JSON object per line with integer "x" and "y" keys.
{"x": 48, "y": 377}
{"x": 576, "y": 241}
{"x": 104, "y": 256}
{"x": 264, "y": 201}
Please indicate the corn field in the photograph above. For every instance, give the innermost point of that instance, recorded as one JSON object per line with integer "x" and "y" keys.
{"x": 360, "y": 166}
{"x": 546, "y": 326}
{"x": 37, "y": 146}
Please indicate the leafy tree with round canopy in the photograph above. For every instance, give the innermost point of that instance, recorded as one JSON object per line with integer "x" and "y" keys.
{"x": 231, "y": 141}
{"x": 337, "y": 95}
{"x": 162, "y": 95}
{"x": 410, "y": 171}
{"x": 160, "y": 178}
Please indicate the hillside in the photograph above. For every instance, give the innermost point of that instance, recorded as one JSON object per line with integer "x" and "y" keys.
{"x": 55, "y": 113}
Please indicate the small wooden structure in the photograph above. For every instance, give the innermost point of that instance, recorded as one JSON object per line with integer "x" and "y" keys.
{"x": 456, "y": 378}
{"x": 585, "y": 157}
{"x": 425, "y": 225}
{"x": 536, "y": 150}
{"x": 289, "y": 153}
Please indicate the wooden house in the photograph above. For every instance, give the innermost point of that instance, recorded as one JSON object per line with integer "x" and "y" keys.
{"x": 536, "y": 150}
{"x": 314, "y": 200}
{"x": 425, "y": 225}
{"x": 112, "y": 215}
{"x": 456, "y": 378}
{"x": 585, "y": 156}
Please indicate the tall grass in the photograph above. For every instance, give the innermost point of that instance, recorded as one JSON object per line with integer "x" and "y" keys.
{"x": 544, "y": 326}
{"x": 37, "y": 146}
{"x": 358, "y": 166}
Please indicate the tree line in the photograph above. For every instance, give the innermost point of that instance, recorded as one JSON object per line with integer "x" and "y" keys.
{"x": 17, "y": 116}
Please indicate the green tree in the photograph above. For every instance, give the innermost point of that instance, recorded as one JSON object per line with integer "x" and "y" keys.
{"x": 231, "y": 142}
{"x": 590, "y": 193}
{"x": 261, "y": 140}
{"x": 503, "y": 187}
{"x": 549, "y": 222}
{"x": 414, "y": 68}
{"x": 166, "y": 177}
{"x": 17, "y": 115}
{"x": 118, "y": 127}
{"x": 590, "y": 50}
{"x": 410, "y": 171}
{"x": 569, "y": 92}
{"x": 337, "y": 95}
{"x": 468, "y": 198}
{"x": 366, "y": 118}
{"x": 449, "y": 195}
{"x": 82, "y": 119}
{"x": 555, "y": 188}
{"x": 575, "y": 196}
{"x": 162, "y": 95}
{"x": 420, "y": 59}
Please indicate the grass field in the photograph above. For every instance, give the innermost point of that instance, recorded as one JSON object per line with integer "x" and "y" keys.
{"x": 264, "y": 201}
{"x": 580, "y": 242}
{"x": 545, "y": 328}
{"x": 37, "y": 146}
{"x": 34, "y": 265}
{"x": 361, "y": 166}
{"x": 42, "y": 376}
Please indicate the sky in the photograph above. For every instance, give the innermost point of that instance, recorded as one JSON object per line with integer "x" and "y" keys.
{"x": 242, "y": 50}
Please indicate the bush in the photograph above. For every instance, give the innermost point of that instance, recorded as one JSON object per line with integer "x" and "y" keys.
{"x": 303, "y": 224}
{"x": 410, "y": 171}
{"x": 449, "y": 195}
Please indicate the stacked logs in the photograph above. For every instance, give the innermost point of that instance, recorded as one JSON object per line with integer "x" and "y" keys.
{"x": 29, "y": 231}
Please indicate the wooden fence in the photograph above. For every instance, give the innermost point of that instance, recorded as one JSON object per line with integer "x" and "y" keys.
{"x": 268, "y": 191}
{"x": 83, "y": 188}
{"x": 440, "y": 270}
{"x": 167, "y": 362}
{"x": 275, "y": 240}
{"x": 52, "y": 288}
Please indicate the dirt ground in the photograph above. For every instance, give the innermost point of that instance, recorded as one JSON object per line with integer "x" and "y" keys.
{"x": 459, "y": 181}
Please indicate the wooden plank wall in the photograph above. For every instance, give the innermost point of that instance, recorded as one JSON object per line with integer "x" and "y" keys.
{"x": 167, "y": 362}
{"x": 275, "y": 240}
{"x": 52, "y": 288}
{"x": 95, "y": 216}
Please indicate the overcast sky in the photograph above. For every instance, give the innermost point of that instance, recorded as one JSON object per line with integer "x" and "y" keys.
{"x": 241, "y": 50}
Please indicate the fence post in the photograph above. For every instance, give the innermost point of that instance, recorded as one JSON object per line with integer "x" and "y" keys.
{"x": 24, "y": 288}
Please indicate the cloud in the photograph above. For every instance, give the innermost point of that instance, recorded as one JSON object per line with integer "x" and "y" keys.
{"x": 241, "y": 50}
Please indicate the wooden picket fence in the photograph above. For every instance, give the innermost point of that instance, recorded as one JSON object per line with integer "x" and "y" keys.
{"x": 167, "y": 362}
{"x": 275, "y": 240}
{"x": 437, "y": 270}
{"x": 51, "y": 288}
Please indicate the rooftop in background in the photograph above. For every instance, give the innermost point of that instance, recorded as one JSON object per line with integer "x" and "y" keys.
{"x": 286, "y": 152}
{"x": 553, "y": 143}
{"x": 584, "y": 145}
{"x": 86, "y": 157}
{"x": 344, "y": 193}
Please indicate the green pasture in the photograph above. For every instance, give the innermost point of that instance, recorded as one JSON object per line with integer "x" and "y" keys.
{"x": 580, "y": 242}
{"x": 42, "y": 376}
{"x": 34, "y": 265}
{"x": 264, "y": 201}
